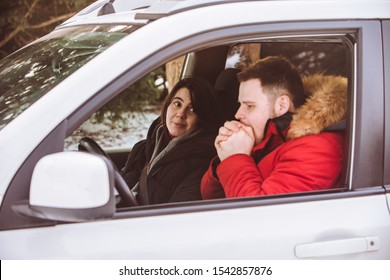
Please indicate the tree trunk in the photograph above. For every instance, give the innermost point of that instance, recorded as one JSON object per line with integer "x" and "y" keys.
{"x": 173, "y": 71}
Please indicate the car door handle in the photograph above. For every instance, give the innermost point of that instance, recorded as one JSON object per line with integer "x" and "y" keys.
{"x": 337, "y": 247}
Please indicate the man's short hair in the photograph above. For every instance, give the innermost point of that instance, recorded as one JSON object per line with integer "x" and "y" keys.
{"x": 278, "y": 77}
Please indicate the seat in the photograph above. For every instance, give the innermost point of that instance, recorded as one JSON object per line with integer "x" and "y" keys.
{"x": 226, "y": 87}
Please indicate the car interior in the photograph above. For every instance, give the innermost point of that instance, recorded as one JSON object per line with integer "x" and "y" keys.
{"x": 218, "y": 65}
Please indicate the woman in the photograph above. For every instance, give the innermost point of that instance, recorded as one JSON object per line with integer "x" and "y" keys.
{"x": 168, "y": 165}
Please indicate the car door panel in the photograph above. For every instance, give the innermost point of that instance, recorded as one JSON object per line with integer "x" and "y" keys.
{"x": 281, "y": 231}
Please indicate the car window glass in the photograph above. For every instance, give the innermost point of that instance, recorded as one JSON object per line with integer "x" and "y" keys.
{"x": 39, "y": 67}
{"x": 309, "y": 58}
{"x": 125, "y": 120}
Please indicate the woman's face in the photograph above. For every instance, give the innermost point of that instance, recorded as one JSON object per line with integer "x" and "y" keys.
{"x": 180, "y": 116}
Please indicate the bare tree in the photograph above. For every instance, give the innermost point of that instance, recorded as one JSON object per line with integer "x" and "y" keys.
{"x": 173, "y": 71}
{"x": 22, "y": 21}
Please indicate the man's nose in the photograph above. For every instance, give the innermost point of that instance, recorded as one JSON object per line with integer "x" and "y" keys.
{"x": 238, "y": 114}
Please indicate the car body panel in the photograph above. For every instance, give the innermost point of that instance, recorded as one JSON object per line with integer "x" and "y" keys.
{"x": 245, "y": 233}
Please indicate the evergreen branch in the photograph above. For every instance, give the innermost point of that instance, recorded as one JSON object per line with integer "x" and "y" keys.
{"x": 21, "y": 26}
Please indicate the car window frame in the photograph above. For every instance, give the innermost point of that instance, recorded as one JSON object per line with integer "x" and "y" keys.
{"x": 386, "y": 59}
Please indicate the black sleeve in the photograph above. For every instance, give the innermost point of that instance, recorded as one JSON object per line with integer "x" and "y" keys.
{"x": 134, "y": 164}
{"x": 189, "y": 187}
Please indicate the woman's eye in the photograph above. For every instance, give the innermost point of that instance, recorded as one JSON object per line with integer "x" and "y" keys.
{"x": 190, "y": 109}
{"x": 177, "y": 103}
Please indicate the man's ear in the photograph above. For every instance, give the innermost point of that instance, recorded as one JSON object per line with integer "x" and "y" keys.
{"x": 283, "y": 104}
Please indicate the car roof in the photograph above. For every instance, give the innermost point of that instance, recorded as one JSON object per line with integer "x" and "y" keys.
{"x": 140, "y": 12}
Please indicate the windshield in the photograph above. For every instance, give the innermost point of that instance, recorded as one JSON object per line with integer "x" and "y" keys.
{"x": 28, "y": 74}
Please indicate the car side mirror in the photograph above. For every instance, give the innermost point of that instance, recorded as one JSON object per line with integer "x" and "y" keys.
{"x": 71, "y": 187}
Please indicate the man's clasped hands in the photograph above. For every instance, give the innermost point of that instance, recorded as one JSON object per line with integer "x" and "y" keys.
{"x": 233, "y": 138}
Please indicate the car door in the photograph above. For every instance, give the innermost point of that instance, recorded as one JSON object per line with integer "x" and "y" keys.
{"x": 236, "y": 230}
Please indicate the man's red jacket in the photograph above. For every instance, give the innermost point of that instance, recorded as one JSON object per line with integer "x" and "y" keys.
{"x": 291, "y": 158}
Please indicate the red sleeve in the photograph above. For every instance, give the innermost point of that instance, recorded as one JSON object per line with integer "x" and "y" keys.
{"x": 240, "y": 176}
{"x": 308, "y": 163}
{"x": 210, "y": 187}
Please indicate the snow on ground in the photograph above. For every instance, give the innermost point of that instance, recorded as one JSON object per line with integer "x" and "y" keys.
{"x": 233, "y": 60}
{"x": 121, "y": 134}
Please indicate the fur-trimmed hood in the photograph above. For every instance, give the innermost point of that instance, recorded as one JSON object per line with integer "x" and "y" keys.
{"x": 326, "y": 104}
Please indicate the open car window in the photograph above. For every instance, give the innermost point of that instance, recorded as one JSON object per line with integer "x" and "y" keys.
{"x": 125, "y": 120}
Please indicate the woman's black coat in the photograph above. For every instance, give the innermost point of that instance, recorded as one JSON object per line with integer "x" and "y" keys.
{"x": 175, "y": 174}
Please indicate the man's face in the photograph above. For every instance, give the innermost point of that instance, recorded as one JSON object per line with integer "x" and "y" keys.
{"x": 255, "y": 107}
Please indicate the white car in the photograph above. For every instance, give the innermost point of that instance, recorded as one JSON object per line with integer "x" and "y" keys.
{"x": 59, "y": 203}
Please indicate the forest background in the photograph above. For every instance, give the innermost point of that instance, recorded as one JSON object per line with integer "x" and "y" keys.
{"x": 22, "y": 21}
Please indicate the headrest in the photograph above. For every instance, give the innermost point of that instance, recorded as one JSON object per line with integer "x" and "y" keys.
{"x": 227, "y": 86}
{"x": 227, "y": 79}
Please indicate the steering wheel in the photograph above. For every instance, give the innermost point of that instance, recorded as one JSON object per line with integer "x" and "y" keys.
{"x": 127, "y": 197}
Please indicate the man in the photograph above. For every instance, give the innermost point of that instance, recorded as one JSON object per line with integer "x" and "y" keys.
{"x": 280, "y": 142}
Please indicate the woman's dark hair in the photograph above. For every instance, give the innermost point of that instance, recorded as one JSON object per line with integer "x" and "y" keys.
{"x": 203, "y": 99}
